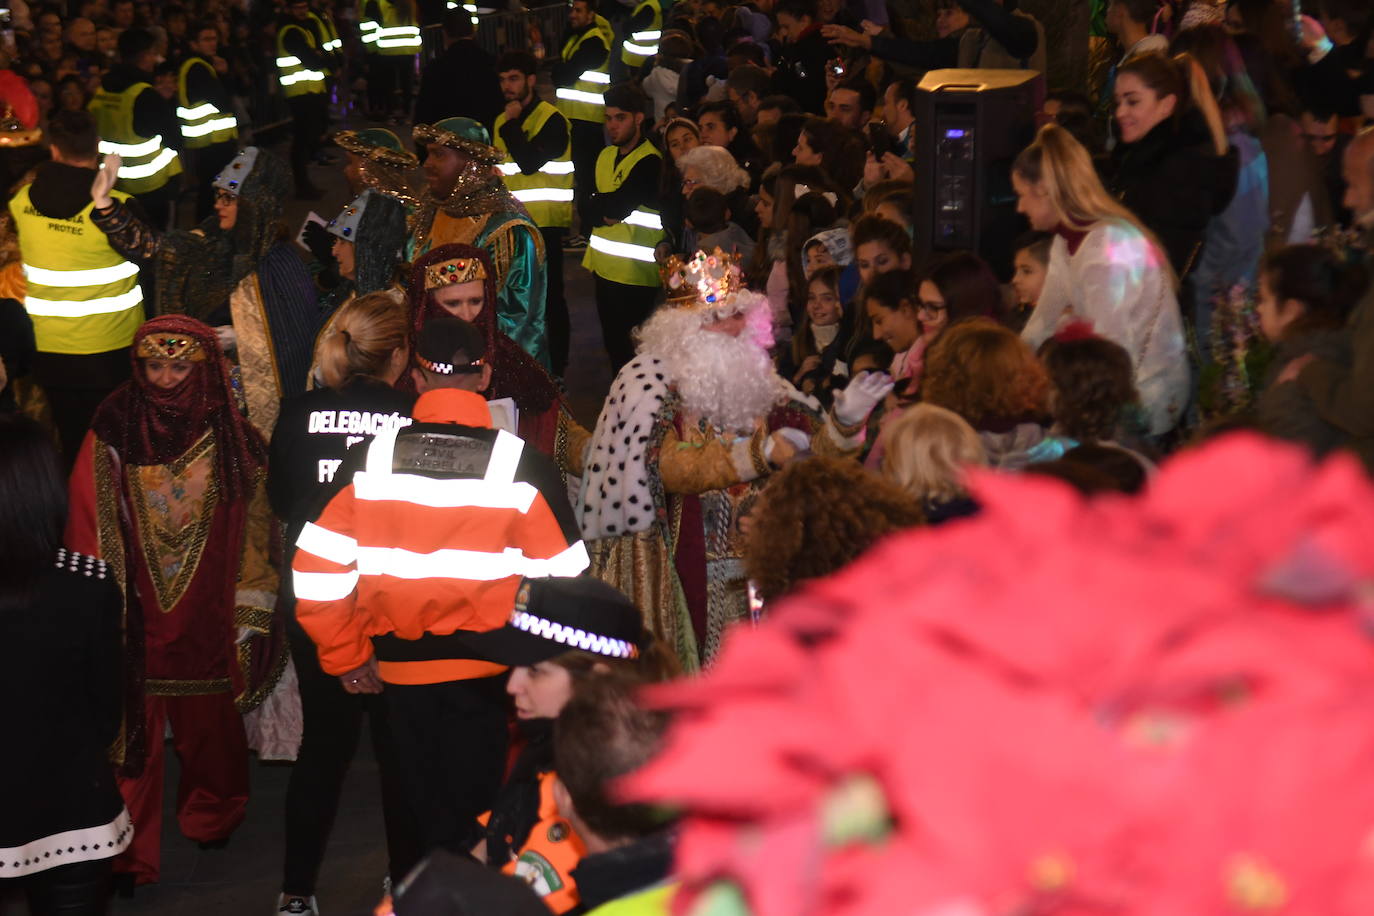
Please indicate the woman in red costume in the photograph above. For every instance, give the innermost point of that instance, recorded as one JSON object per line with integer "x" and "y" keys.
{"x": 169, "y": 490}
{"x": 459, "y": 280}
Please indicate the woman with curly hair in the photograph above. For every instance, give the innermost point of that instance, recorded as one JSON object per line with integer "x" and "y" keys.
{"x": 815, "y": 517}
{"x": 983, "y": 372}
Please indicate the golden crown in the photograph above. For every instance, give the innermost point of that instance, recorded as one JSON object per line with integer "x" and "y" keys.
{"x": 458, "y": 270}
{"x": 706, "y": 280}
{"x": 170, "y": 346}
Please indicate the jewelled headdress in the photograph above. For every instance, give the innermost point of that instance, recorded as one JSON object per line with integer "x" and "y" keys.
{"x": 170, "y": 346}
{"x": 458, "y": 270}
{"x": 708, "y": 281}
{"x": 377, "y": 145}
{"x": 237, "y": 171}
{"x": 345, "y": 225}
{"x": 462, "y": 134}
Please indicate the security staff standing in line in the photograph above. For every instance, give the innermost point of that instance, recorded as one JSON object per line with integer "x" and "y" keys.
{"x": 625, "y": 214}
{"x": 538, "y": 169}
{"x": 391, "y": 37}
{"x": 642, "y": 32}
{"x": 580, "y": 79}
{"x": 427, "y": 541}
{"x": 139, "y": 125}
{"x": 303, "y": 67}
{"x": 205, "y": 108}
{"x": 83, "y": 297}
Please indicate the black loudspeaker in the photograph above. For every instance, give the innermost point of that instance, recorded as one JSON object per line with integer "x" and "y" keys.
{"x": 970, "y": 126}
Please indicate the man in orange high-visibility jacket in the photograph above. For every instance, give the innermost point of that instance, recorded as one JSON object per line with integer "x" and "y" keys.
{"x": 429, "y": 539}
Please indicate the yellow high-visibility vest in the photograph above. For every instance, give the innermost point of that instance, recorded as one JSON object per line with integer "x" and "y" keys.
{"x": 296, "y": 77}
{"x": 625, "y": 252}
{"x": 640, "y": 46}
{"x": 548, "y": 193}
{"x": 395, "y": 35}
{"x": 202, "y": 124}
{"x": 330, "y": 42}
{"x": 148, "y": 163}
{"x": 82, "y": 295}
{"x": 582, "y": 101}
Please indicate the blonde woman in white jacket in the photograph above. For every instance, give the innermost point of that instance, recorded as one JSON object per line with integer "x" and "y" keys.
{"x": 1105, "y": 269}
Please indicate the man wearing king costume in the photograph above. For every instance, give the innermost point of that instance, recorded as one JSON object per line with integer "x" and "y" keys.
{"x": 169, "y": 490}
{"x": 466, "y": 202}
{"x": 693, "y": 427}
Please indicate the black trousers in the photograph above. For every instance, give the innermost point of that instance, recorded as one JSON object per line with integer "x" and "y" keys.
{"x": 309, "y": 121}
{"x": 79, "y": 889}
{"x": 588, "y": 140}
{"x": 207, "y": 163}
{"x": 75, "y": 386}
{"x": 390, "y": 82}
{"x": 333, "y": 723}
{"x": 557, "y": 321}
{"x": 622, "y": 308}
{"x": 451, "y": 740}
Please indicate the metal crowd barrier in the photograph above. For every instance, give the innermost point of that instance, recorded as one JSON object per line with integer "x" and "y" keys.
{"x": 537, "y": 29}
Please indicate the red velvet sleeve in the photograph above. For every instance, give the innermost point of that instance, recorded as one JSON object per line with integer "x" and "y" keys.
{"x": 83, "y": 530}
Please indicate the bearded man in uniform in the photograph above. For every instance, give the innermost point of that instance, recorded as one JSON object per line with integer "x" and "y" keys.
{"x": 692, "y": 429}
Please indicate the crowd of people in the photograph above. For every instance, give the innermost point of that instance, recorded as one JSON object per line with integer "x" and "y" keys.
{"x": 262, "y": 483}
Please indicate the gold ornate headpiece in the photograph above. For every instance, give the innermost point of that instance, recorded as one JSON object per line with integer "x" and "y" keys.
{"x": 170, "y": 346}
{"x": 706, "y": 281}
{"x": 484, "y": 153}
{"x": 457, "y": 270}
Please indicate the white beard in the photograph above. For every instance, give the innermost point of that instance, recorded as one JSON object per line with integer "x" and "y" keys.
{"x": 728, "y": 381}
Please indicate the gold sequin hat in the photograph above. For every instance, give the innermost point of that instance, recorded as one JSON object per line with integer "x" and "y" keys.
{"x": 455, "y": 270}
{"x": 708, "y": 280}
{"x": 170, "y": 346}
{"x": 462, "y": 134}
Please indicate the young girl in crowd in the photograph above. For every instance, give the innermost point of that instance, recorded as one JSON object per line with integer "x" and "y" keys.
{"x": 1031, "y": 261}
{"x": 1172, "y": 167}
{"x": 818, "y": 345}
{"x": 879, "y": 245}
{"x": 927, "y": 451}
{"x": 983, "y": 372}
{"x": 1105, "y": 268}
{"x": 1305, "y": 297}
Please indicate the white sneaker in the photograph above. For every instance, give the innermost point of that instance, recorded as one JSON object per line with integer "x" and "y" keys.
{"x": 297, "y": 906}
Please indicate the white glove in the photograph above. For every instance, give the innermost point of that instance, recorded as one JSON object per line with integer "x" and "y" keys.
{"x": 228, "y": 339}
{"x": 860, "y": 396}
{"x": 244, "y": 635}
{"x": 104, "y": 182}
{"x": 800, "y": 442}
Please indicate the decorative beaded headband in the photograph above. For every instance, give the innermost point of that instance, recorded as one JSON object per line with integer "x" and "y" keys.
{"x": 459, "y": 270}
{"x": 170, "y": 346}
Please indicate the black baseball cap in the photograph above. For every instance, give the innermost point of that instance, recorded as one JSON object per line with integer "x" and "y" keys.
{"x": 559, "y": 614}
{"x": 448, "y": 345}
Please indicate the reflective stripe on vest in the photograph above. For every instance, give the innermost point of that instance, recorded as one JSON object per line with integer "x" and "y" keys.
{"x": 624, "y": 253}
{"x": 148, "y": 165}
{"x": 583, "y": 100}
{"x": 548, "y": 193}
{"x": 640, "y": 46}
{"x": 296, "y": 78}
{"x": 81, "y": 295}
{"x": 394, "y": 35}
{"x": 202, "y": 125}
{"x": 329, "y": 36}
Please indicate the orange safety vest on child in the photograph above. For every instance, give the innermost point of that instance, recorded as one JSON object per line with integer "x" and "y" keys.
{"x": 549, "y": 854}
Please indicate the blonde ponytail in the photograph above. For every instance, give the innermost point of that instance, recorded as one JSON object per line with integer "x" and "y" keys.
{"x": 363, "y": 336}
{"x": 1059, "y": 164}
